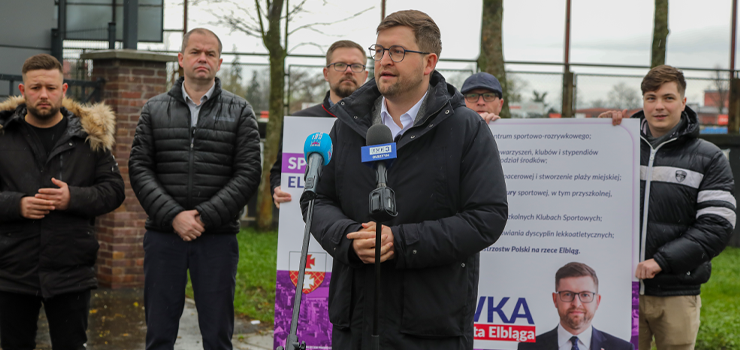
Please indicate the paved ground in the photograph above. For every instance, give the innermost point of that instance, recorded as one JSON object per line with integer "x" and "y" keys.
{"x": 117, "y": 323}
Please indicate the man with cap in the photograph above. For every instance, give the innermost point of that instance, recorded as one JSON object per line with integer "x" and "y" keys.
{"x": 484, "y": 95}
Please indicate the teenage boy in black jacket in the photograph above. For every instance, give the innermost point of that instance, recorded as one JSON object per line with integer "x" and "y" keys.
{"x": 687, "y": 206}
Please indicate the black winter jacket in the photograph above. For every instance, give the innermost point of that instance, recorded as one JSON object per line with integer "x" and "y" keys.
{"x": 213, "y": 168}
{"x": 56, "y": 254}
{"x": 451, "y": 200}
{"x": 687, "y": 208}
{"x": 319, "y": 110}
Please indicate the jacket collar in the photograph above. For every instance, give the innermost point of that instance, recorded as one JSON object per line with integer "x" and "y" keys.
{"x": 359, "y": 110}
{"x": 690, "y": 130}
{"x": 95, "y": 123}
{"x": 176, "y": 91}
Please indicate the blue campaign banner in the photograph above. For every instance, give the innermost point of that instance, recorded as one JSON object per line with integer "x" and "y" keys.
{"x": 375, "y": 153}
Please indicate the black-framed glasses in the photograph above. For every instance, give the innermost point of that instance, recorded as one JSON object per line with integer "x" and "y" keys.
{"x": 341, "y": 67}
{"x": 568, "y": 296}
{"x": 488, "y": 97}
{"x": 396, "y": 52}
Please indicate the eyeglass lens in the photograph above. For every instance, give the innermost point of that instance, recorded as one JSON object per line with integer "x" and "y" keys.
{"x": 586, "y": 297}
{"x": 488, "y": 97}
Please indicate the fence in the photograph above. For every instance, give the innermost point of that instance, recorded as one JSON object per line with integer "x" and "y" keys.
{"x": 535, "y": 88}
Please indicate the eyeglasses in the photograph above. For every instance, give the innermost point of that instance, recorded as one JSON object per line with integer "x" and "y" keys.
{"x": 488, "y": 97}
{"x": 568, "y": 296}
{"x": 341, "y": 67}
{"x": 396, "y": 52}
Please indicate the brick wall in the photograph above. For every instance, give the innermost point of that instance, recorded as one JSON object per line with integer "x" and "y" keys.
{"x": 129, "y": 84}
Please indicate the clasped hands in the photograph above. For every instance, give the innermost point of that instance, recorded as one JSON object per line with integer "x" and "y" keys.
{"x": 46, "y": 200}
{"x": 188, "y": 225}
{"x": 364, "y": 243}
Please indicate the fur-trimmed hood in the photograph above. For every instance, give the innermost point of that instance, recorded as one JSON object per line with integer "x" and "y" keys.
{"x": 97, "y": 120}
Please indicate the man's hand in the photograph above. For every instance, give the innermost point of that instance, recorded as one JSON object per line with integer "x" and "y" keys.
{"x": 489, "y": 117}
{"x": 188, "y": 225}
{"x": 364, "y": 243}
{"x": 647, "y": 269}
{"x": 280, "y": 197}
{"x": 59, "y": 197}
{"x": 35, "y": 208}
{"x": 615, "y": 115}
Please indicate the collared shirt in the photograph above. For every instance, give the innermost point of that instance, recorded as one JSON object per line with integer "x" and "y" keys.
{"x": 195, "y": 108}
{"x": 584, "y": 339}
{"x": 407, "y": 119}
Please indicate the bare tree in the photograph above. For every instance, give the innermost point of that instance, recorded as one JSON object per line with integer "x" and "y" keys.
{"x": 720, "y": 85}
{"x": 491, "y": 57}
{"x": 265, "y": 21}
{"x": 623, "y": 96}
{"x": 660, "y": 33}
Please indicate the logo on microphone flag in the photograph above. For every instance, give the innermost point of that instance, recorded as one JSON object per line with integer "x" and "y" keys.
{"x": 315, "y": 270}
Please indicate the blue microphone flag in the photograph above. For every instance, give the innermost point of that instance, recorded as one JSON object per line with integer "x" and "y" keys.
{"x": 376, "y": 153}
{"x": 318, "y": 143}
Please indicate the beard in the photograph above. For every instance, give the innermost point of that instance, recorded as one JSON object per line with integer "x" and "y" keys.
{"x": 43, "y": 114}
{"x": 577, "y": 322}
{"x": 345, "y": 90}
{"x": 402, "y": 85}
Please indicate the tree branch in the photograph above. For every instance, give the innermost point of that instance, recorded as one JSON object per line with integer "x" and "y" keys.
{"x": 308, "y": 43}
{"x": 259, "y": 16}
{"x": 330, "y": 23}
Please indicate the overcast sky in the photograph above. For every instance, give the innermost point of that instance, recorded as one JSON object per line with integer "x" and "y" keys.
{"x": 606, "y": 32}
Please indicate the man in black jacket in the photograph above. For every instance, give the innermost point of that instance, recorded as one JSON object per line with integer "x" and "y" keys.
{"x": 450, "y": 195}
{"x": 56, "y": 175}
{"x": 345, "y": 72}
{"x": 687, "y": 206}
{"x": 195, "y": 162}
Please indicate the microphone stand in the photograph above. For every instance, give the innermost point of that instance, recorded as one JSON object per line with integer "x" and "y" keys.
{"x": 292, "y": 342}
{"x": 382, "y": 208}
{"x": 313, "y": 172}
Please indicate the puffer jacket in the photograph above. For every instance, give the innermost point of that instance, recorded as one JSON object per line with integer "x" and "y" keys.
{"x": 687, "y": 208}
{"x": 56, "y": 254}
{"x": 213, "y": 167}
{"x": 451, "y": 200}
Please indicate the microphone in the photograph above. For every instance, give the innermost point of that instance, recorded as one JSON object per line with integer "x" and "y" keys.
{"x": 317, "y": 150}
{"x": 379, "y": 153}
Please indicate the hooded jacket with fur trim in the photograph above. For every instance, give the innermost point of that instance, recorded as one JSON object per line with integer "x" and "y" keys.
{"x": 56, "y": 254}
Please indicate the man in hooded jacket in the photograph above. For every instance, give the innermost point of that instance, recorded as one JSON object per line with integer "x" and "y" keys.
{"x": 56, "y": 175}
{"x": 450, "y": 195}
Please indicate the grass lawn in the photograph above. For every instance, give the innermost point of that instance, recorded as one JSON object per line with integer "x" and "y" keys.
{"x": 720, "y": 309}
{"x": 255, "y": 277}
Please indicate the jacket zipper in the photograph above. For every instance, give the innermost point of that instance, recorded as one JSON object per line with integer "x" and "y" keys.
{"x": 646, "y": 200}
{"x": 61, "y": 166}
{"x": 190, "y": 167}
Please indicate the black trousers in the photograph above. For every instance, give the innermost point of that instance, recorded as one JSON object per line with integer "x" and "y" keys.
{"x": 211, "y": 259}
{"x": 66, "y": 313}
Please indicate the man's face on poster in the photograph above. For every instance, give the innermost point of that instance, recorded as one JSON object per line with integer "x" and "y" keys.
{"x": 577, "y": 300}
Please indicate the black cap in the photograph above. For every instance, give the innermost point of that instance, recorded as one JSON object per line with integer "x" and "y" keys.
{"x": 482, "y": 80}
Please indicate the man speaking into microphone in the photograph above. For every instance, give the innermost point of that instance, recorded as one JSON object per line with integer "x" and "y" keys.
{"x": 450, "y": 197}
